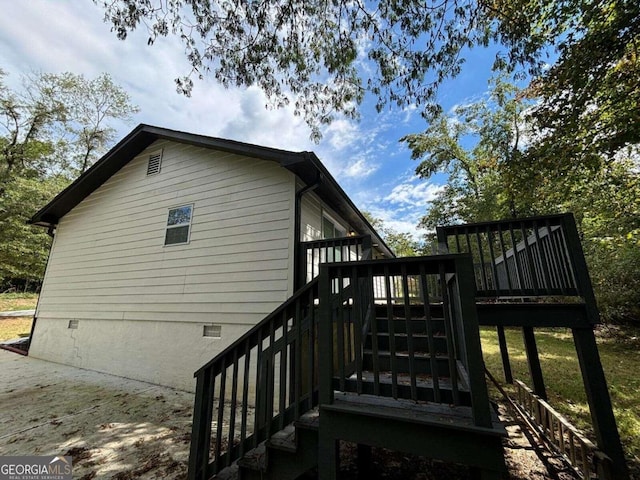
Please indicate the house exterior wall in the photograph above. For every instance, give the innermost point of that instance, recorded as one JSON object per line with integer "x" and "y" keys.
{"x": 313, "y": 209}
{"x": 141, "y": 306}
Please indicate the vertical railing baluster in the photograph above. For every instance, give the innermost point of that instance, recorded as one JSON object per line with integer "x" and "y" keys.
{"x": 339, "y": 326}
{"x": 527, "y": 249}
{"x": 284, "y": 367}
{"x": 483, "y": 270}
{"x": 232, "y": 407}
{"x": 223, "y": 379}
{"x": 433, "y": 353}
{"x": 259, "y": 392}
{"x": 409, "y": 327}
{"x": 297, "y": 370}
{"x": 516, "y": 258}
{"x": 505, "y": 260}
{"x": 392, "y": 335}
{"x": 543, "y": 259}
{"x": 448, "y": 327}
{"x": 311, "y": 342}
{"x": 270, "y": 378}
{"x": 492, "y": 257}
{"x": 245, "y": 397}
{"x": 357, "y": 327}
{"x": 374, "y": 331}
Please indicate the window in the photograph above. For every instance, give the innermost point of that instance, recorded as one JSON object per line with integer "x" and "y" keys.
{"x": 178, "y": 225}
{"x": 155, "y": 159}
{"x": 331, "y": 229}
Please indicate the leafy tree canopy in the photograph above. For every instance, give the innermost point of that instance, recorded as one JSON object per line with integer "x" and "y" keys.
{"x": 323, "y": 56}
{"x": 51, "y": 129}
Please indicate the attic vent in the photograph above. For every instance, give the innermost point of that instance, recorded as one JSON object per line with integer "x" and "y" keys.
{"x": 214, "y": 331}
{"x": 153, "y": 166}
{"x": 73, "y": 324}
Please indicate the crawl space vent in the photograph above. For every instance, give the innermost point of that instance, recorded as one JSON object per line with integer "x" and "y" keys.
{"x": 73, "y": 324}
{"x": 213, "y": 331}
{"x": 154, "y": 163}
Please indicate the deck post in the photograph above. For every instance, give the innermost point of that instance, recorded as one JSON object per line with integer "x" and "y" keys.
{"x": 533, "y": 361}
{"x": 504, "y": 353}
{"x": 201, "y": 428}
{"x": 595, "y": 385}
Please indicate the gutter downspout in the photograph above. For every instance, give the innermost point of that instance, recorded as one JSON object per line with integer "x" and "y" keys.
{"x": 297, "y": 276}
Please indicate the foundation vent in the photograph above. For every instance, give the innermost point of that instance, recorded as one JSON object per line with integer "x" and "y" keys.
{"x": 73, "y": 324}
{"x": 213, "y": 331}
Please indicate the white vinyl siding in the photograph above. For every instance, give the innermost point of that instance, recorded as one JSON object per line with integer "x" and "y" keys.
{"x": 109, "y": 259}
{"x": 314, "y": 213}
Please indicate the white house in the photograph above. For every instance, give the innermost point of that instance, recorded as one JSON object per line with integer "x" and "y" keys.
{"x": 173, "y": 245}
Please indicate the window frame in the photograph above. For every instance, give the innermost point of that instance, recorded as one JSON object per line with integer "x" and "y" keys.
{"x": 180, "y": 225}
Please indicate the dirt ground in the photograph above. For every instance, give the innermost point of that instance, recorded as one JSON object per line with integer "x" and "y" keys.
{"x": 120, "y": 429}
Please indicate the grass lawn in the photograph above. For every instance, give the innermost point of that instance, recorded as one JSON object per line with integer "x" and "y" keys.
{"x": 18, "y": 301}
{"x": 621, "y": 362}
{"x": 14, "y": 327}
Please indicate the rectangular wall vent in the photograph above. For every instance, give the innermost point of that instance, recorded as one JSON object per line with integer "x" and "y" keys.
{"x": 213, "y": 331}
{"x": 153, "y": 166}
{"x": 73, "y": 324}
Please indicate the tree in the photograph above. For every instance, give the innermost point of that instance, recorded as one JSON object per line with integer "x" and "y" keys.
{"x": 51, "y": 129}
{"x": 479, "y": 146}
{"x": 403, "y": 244}
{"x": 324, "y": 56}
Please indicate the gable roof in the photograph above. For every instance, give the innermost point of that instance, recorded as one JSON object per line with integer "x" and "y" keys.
{"x": 305, "y": 165}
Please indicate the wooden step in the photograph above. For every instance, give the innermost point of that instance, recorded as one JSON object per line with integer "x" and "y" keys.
{"x": 422, "y": 362}
{"x": 420, "y": 342}
{"x": 425, "y": 390}
{"x": 441, "y": 432}
{"x": 288, "y": 454}
{"x": 417, "y": 325}
{"x": 416, "y": 311}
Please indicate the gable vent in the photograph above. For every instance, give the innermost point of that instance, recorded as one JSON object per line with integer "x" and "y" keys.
{"x": 153, "y": 166}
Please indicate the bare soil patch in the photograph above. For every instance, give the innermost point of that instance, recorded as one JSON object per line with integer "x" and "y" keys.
{"x": 121, "y": 429}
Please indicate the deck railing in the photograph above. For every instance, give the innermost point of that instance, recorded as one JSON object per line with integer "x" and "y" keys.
{"x": 537, "y": 256}
{"x": 344, "y": 249}
{"x": 261, "y": 383}
{"x": 341, "y": 329}
{"x": 579, "y": 451}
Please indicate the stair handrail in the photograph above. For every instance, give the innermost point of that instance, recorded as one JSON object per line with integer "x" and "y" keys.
{"x": 288, "y": 335}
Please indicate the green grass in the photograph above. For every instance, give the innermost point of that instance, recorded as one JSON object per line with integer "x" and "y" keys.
{"x": 620, "y": 359}
{"x": 14, "y": 327}
{"x": 18, "y": 301}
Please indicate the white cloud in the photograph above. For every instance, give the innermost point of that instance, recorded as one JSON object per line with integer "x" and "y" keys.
{"x": 360, "y": 168}
{"x": 413, "y": 193}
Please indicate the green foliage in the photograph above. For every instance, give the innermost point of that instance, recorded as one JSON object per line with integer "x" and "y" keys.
{"x": 51, "y": 129}
{"x": 479, "y": 147}
{"x": 403, "y": 244}
{"x": 323, "y": 56}
{"x": 492, "y": 175}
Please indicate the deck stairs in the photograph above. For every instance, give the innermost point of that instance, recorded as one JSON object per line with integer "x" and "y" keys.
{"x": 357, "y": 355}
{"x": 386, "y": 353}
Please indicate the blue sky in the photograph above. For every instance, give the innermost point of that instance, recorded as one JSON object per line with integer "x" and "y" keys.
{"x": 365, "y": 157}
